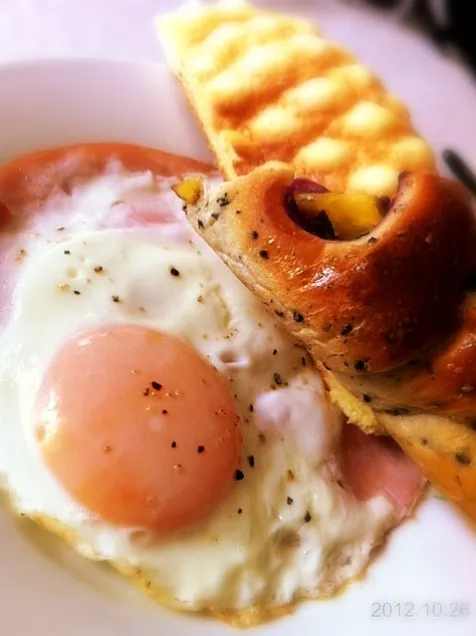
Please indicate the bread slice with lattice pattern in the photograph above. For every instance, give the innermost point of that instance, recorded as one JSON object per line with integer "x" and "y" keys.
{"x": 267, "y": 87}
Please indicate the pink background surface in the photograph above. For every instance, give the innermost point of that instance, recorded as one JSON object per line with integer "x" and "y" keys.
{"x": 93, "y": 28}
{"x": 123, "y": 28}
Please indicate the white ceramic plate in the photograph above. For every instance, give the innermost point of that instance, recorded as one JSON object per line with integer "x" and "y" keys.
{"x": 427, "y": 572}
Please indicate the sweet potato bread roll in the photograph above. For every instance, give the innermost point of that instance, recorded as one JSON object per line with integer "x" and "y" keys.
{"x": 344, "y": 299}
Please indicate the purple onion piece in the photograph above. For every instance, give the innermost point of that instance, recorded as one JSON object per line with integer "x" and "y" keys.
{"x": 320, "y": 225}
{"x": 306, "y": 186}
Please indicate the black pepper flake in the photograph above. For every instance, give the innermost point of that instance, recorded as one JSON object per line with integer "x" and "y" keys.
{"x": 307, "y": 517}
{"x": 366, "y": 398}
{"x": 298, "y": 317}
{"x": 200, "y": 224}
{"x": 67, "y": 252}
{"x": 146, "y": 391}
{"x": 239, "y": 511}
{"x": 460, "y": 169}
{"x": 165, "y": 412}
{"x": 397, "y": 411}
{"x": 360, "y": 365}
{"x": 289, "y": 501}
{"x": 215, "y": 215}
{"x": 254, "y": 234}
{"x": 98, "y": 269}
{"x": 116, "y": 299}
{"x": 277, "y": 379}
{"x": 275, "y": 351}
{"x": 76, "y": 292}
{"x": 372, "y": 240}
{"x": 463, "y": 458}
{"x": 156, "y": 385}
{"x": 174, "y": 444}
{"x": 200, "y": 449}
{"x": 424, "y": 441}
{"x": 237, "y": 211}
{"x": 251, "y": 408}
{"x": 174, "y": 271}
{"x": 264, "y": 254}
{"x": 346, "y": 329}
{"x": 251, "y": 461}
{"x": 223, "y": 201}
{"x": 303, "y": 361}
{"x": 239, "y": 475}
{"x": 279, "y": 313}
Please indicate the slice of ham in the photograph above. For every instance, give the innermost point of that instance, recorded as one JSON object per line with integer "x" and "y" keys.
{"x": 372, "y": 466}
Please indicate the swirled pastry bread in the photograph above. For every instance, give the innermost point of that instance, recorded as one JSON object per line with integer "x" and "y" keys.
{"x": 387, "y": 317}
{"x": 267, "y": 87}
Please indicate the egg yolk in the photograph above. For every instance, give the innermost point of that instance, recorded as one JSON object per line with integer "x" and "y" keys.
{"x": 138, "y": 427}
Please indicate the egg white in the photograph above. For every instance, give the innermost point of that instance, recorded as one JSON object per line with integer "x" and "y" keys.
{"x": 284, "y": 532}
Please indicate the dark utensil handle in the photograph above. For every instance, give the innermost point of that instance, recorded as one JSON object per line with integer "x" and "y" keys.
{"x": 460, "y": 169}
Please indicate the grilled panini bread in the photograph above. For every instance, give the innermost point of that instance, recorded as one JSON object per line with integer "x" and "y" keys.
{"x": 267, "y": 87}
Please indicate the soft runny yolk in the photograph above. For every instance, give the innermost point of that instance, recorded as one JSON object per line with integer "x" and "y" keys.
{"x": 138, "y": 427}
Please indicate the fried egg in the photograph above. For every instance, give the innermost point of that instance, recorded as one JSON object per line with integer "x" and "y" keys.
{"x": 154, "y": 414}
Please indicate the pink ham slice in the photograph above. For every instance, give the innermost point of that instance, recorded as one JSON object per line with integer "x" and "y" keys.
{"x": 372, "y": 466}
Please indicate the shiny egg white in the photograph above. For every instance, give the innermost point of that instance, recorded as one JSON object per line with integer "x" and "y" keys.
{"x": 286, "y": 531}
